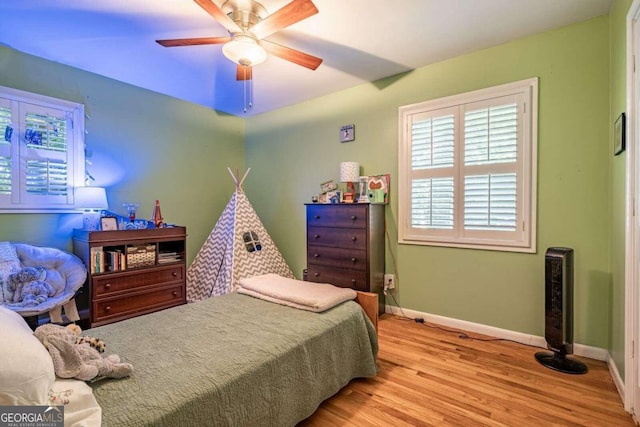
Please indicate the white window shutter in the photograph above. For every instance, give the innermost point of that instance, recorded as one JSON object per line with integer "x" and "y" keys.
{"x": 491, "y": 146}
{"x": 467, "y": 169}
{"x": 491, "y": 135}
{"x": 432, "y": 142}
{"x": 433, "y": 203}
{"x": 44, "y": 156}
{"x": 44, "y": 159}
{"x": 490, "y": 202}
{"x": 6, "y": 135}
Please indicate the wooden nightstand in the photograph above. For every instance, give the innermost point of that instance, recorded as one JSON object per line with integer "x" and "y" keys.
{"x": 345, "y": 246}
{"x": 132, "y": 272}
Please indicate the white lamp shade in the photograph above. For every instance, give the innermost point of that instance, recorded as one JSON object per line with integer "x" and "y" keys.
{"x": 349, "y": 171}
{"x": 90, "y": 198}
{"x": 244, "y": 50}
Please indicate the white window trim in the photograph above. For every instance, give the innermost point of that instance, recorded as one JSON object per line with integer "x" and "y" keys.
{"x": 527, "y": 170}
{"x": 76, "y": 166}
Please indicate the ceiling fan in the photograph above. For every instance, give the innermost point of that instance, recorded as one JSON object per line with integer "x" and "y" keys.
{"x": 249, "y": 23}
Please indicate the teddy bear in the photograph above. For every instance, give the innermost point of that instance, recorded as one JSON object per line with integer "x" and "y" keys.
{"x": 79, "y": 361}
{"x": 28, "y": 287}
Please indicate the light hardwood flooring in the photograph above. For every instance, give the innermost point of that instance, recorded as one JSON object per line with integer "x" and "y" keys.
{"x": 429, "y": 377}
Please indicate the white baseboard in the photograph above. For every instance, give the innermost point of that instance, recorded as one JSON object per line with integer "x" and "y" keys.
{"x": 617, "y": 379}
{"x": 478, "y": 328}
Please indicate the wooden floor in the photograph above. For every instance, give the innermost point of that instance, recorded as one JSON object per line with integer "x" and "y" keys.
{"x": 428, "y": 377}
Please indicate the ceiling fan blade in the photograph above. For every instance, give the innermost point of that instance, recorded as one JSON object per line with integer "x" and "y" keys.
{"x": 193, "y": 42}
{"x": 293, "y": 12}
{"x": 212, "y": 9}
{"x": 292, "y": 55}
{"x": 244, "y": 72}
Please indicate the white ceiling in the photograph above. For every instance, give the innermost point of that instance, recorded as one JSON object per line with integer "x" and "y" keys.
{"x": 359, "y": 40}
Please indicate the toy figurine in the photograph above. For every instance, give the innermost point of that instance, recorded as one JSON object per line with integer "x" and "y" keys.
{"x": 157, "y": 219}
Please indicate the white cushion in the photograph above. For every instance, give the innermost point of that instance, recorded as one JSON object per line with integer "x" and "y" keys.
{"x": 26, "y": 369}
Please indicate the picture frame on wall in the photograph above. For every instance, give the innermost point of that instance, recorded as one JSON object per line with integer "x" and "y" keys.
{"x": 347, "y": 133}
{"x": 619, "y": 135}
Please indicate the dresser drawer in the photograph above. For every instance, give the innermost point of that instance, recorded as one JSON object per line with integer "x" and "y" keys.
{"x": 135, "y": 303}
{"x": 341, "y": 277}
{"x": 344, "y": 216}
{"x": 337, "y": 257}
{"x": 114, "y": 283}
{"x": 339, "y": 237}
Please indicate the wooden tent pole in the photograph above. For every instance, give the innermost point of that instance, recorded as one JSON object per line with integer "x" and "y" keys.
{"x": 236, "y": 175}
{"x": 245, "y": 175}
{"x": 233, "y": 176}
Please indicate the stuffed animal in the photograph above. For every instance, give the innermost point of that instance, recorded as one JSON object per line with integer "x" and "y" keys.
{"x": 96, "y": 343}
{"x": 80, "y": 361}
{"x": 28, "y": 286}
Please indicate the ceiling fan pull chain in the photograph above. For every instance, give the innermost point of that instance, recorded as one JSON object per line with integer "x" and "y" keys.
{"x": 244, "y": 89}
{"x": 251, "y": 93}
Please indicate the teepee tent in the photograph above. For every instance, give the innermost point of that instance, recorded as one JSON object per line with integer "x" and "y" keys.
{"x": 238, "y": 247}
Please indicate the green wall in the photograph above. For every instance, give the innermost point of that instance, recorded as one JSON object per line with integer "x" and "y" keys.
{"x": 147, "y": 146}
{"x": 293, "y": 149}
{"x": 144, "y": 146}
{"x": 618, "y": 34}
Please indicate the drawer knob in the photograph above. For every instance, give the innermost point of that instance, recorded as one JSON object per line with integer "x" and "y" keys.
{"x": 107, "y": 308}
{"x": 107, "y": 286}
{"x": 316, "y": 216}
{"x": 317, "y": 236}
{"x": 353, "y": 217}
{"x": 316, "y": 274}
{"x": 174, "y": 274}
{"x": 353, "y": 260}
{"x": 354, "y": 238}
{"x": 316, "y": 255}
{"x": 174, "y": 293}
{"x": 353, "y": 281}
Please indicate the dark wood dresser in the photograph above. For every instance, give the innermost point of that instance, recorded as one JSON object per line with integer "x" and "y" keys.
{"x": 345, "y": 246}
{"x": 132, "y": 272}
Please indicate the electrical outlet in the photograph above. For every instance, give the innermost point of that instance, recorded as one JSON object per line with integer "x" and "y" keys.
{"x": 389, "y": 281}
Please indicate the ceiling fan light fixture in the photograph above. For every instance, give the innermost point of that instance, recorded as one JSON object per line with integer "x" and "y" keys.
{"x": 244, "y": 50}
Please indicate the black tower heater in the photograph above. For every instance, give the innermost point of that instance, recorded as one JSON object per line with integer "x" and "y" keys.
{"x": 558, "y": 312}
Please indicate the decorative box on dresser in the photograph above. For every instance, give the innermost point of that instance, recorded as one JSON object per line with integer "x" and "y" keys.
{"x": 132, "y": 272}
{"x": 345, "y": 246}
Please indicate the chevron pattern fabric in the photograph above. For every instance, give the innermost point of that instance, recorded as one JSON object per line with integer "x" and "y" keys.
{"x": 225, "y": 258}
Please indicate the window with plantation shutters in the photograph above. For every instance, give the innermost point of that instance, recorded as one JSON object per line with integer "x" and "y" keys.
{"x": 41, "y": 152}
{"x": 467, "y": 168}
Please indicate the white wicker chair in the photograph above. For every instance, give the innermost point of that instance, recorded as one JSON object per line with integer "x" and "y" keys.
{"x": 66, "y": 273}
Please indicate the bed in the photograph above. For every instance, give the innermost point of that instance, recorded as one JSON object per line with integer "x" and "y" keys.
{"x": 233, "y": 360}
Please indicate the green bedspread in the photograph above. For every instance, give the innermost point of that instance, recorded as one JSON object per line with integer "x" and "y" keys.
{"x": 233, "y": 361}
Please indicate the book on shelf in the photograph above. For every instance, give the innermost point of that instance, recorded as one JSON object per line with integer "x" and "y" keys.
{"x": 165, "y": 257}
{"x": 96, "y": 259}
{"x": 167, "y": 254}
{"x": 107, "y": 260}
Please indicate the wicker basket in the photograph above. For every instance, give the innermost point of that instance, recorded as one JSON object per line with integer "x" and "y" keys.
{"x": 141, "y": 256}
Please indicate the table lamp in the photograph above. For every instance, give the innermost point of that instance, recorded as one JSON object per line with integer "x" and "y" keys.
{"x": 349, "y": 173}
{"x": 91, "y": 200}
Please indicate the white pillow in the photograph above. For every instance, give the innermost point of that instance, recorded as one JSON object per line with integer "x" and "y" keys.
{"x": 26, "y": 369}
{"x": 83, "y": 409}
